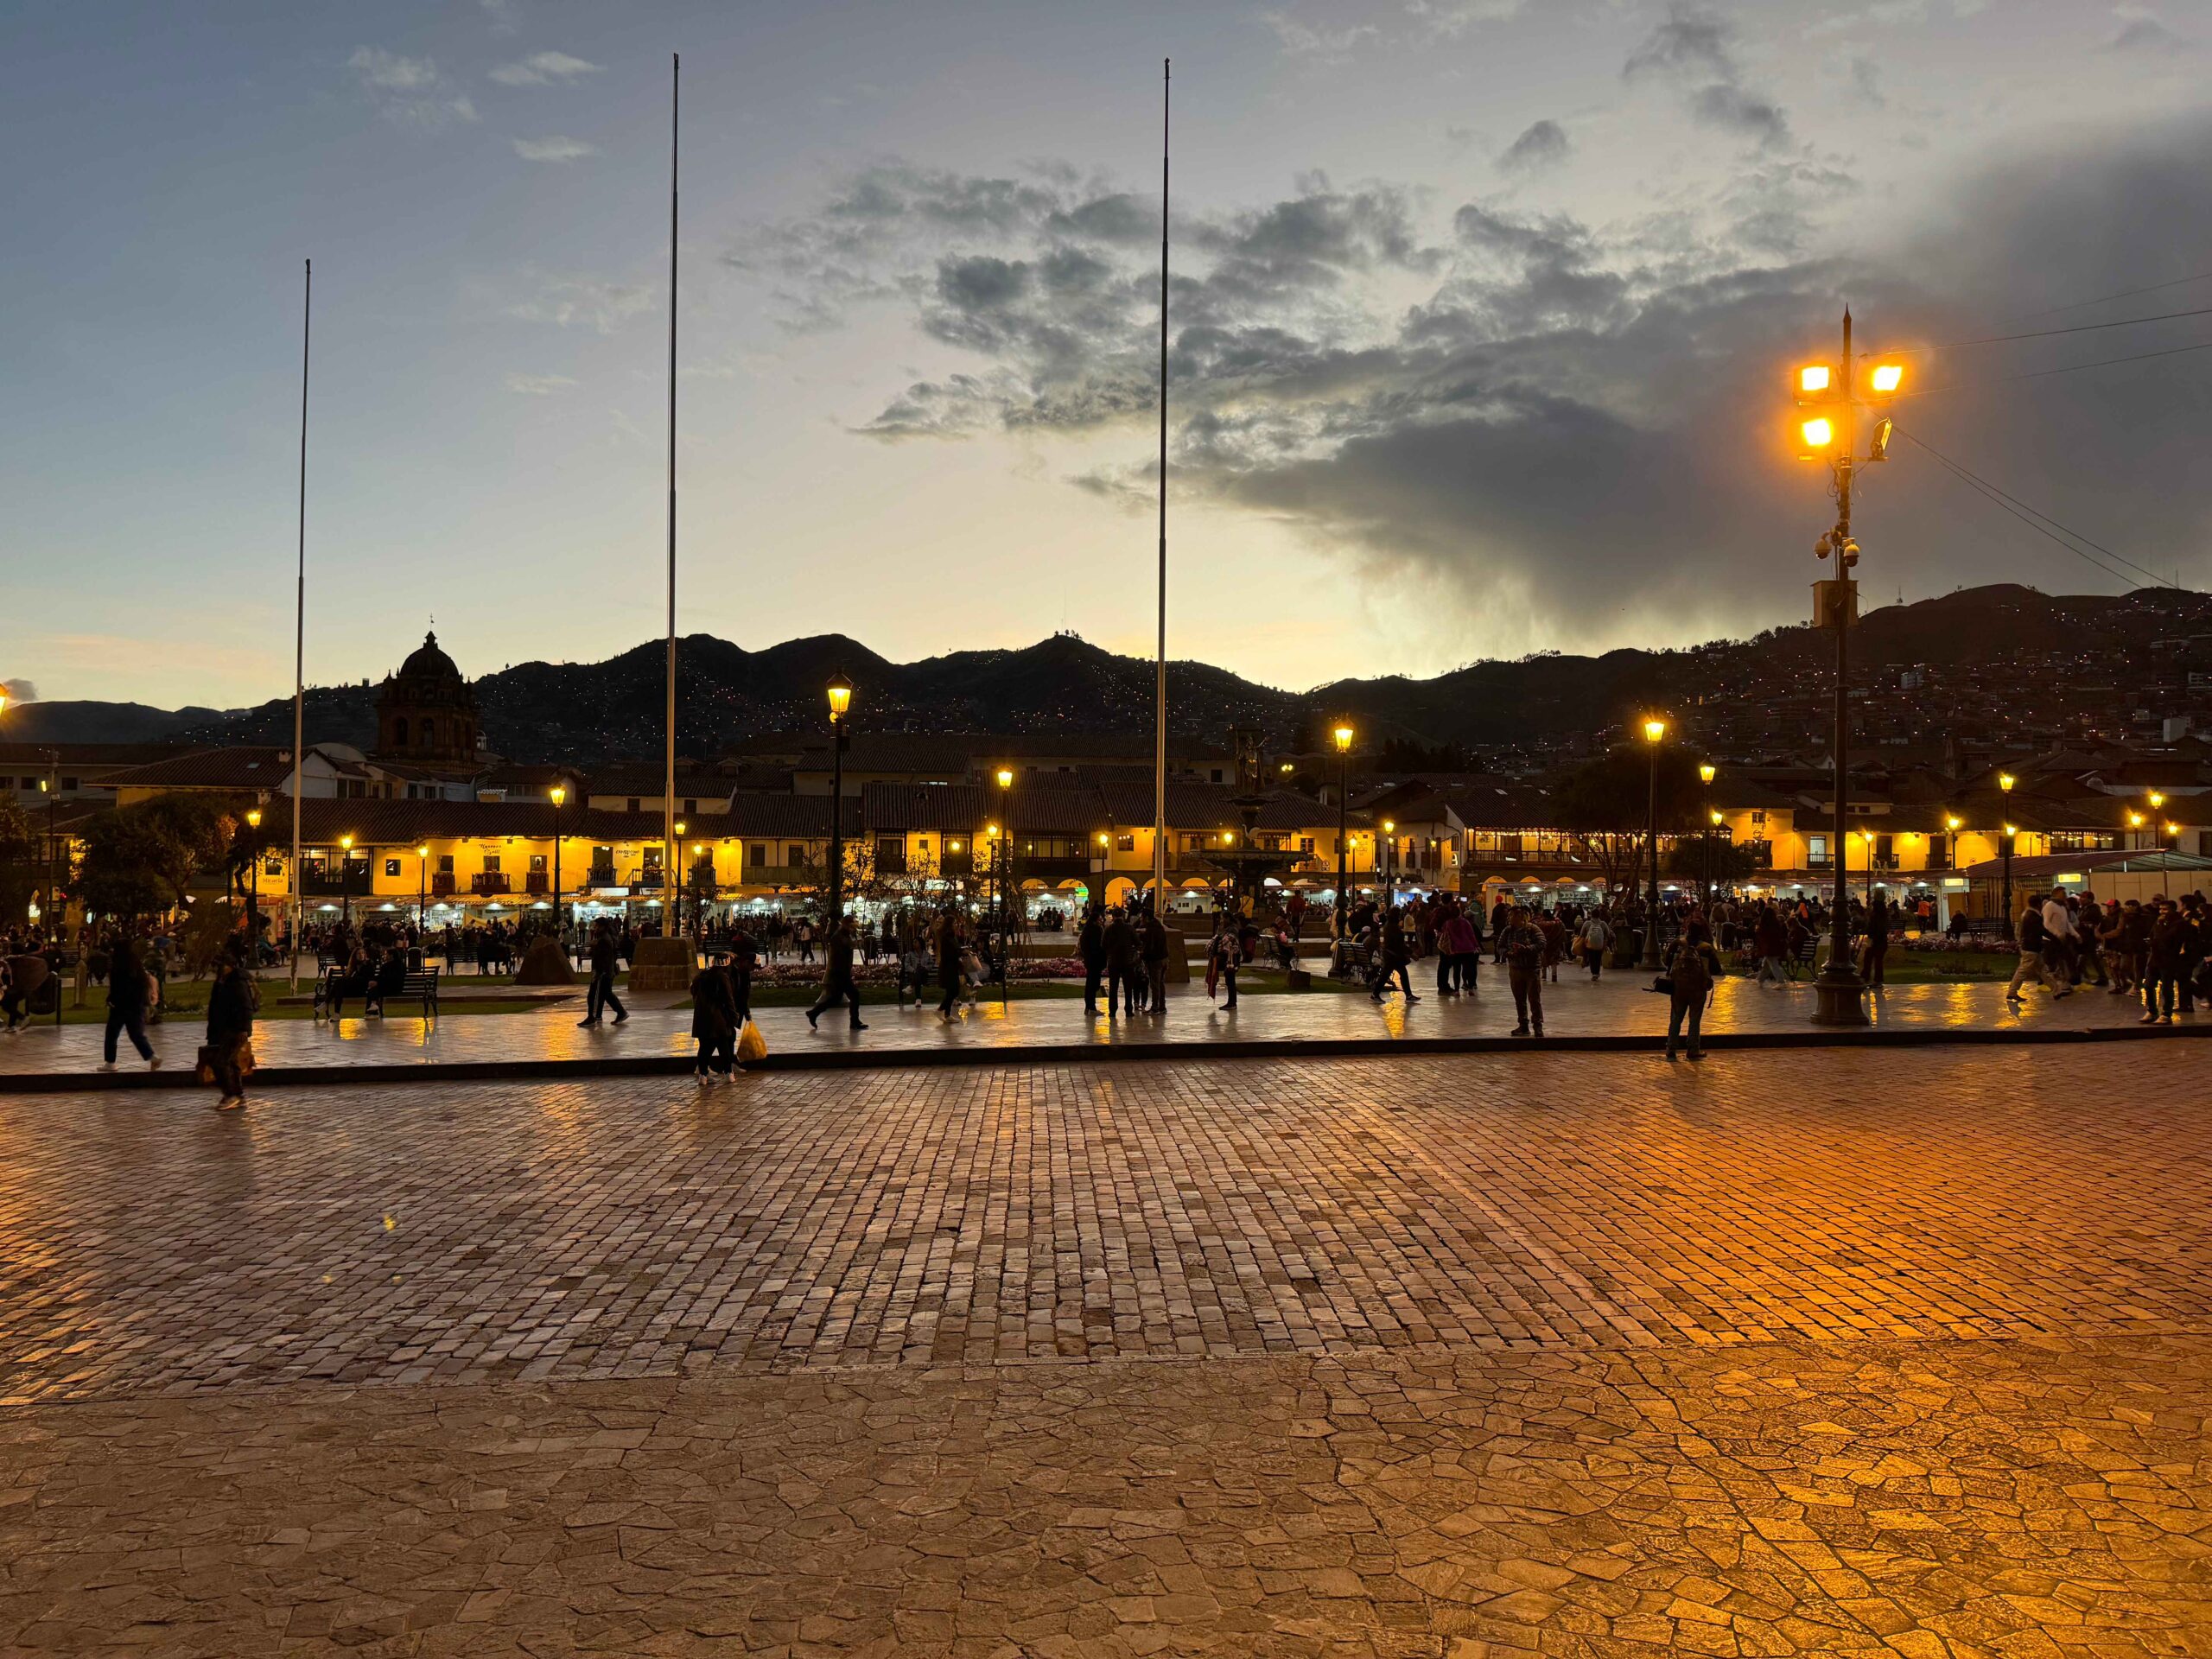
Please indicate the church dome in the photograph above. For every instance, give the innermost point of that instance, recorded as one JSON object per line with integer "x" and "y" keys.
{"x": 429, "y": 662}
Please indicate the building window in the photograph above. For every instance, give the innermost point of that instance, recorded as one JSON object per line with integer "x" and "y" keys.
{"x": 399, "y": 732}
{"x": 1816, "y": 851}
{"x": 491, "y": 863}
{"x": 272, "y": 866}
{"x": 633, "y": 803}
{"x": 445, "y": 863}
{"x": 691, "y": 806}
{"x": 757, "y": 854}
{"x": 392, "y": 867}
{"x": 1306, "y": 843}
{"x": 537, "y": 863}
{"x": 1125, "y": 843}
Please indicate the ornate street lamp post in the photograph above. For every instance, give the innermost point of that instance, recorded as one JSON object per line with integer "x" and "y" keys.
{"x": 2005, "y": 781}
{"x": 1655, "y": 729}
{"x": 253, "y": 903}
{"x": 1007, "y": 888}
{"x": 1343, "y": 735}
{"x": 345, "y": 880}
{"x": 841, "y": 700}
{"x": 1705, "y": 773}
{"x": 559, "y": 793}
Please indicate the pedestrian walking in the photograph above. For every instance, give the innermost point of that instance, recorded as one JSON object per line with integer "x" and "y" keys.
{"x": 1597, "y": 936}
{"x": 229, "y": 1053}
{"x": 130, "y": 994}
{"x": 606, "y": 957}
{"x": 839, "y": 987}
{"x": 714, "y": 1020}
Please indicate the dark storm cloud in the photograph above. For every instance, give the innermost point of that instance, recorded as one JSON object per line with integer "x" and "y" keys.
{"x": 1570, "y": 421}
{"x": 1696, "y": 52}
{"x": 1542, "y": 144}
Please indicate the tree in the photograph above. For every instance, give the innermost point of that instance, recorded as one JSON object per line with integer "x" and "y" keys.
{"x": 1725, "y": 860}
{"x": 21, "y": 872}
{"x": 139, "y": 860}
{"x": 1603, "y": 805}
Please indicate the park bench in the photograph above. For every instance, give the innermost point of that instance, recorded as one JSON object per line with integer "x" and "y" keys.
{"x": 419, "y": 983}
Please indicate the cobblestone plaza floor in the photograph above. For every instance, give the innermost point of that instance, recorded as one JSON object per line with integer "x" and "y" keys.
{"x": 1829, "y": 1351}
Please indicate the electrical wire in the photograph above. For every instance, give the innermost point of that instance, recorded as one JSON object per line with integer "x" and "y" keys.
{"x": 2042, "y": 374}
{"x": 2102, "y": 299}
{"x": 2029, "y": 516}
{"x": 2042, "y": 333}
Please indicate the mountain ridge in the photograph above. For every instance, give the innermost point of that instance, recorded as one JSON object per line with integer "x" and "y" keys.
{"x": 612, "y": 709}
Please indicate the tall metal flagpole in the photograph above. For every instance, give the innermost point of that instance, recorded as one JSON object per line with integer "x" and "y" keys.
{"x": 300, "y": 638}
{"x": 672, "y": 855}
{"x": 1159, "y": 687}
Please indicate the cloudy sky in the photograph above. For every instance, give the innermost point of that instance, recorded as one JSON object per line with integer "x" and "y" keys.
{"x": 1481, "y": 315}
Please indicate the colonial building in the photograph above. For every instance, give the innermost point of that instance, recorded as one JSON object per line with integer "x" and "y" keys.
{"x": 427, "y": 730}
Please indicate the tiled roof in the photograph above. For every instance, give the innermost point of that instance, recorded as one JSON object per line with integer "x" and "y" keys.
{"x": 786, "y": 814}
{"x": 647, "y": 780}
{"x": 961, "y": 809}
{"x": 400, "y": 823}
{"x": 84, "y": 757}
{"x": 236, "y": 768}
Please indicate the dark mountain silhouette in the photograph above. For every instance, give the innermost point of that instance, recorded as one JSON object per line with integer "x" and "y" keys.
{"x": 598, "y": 711}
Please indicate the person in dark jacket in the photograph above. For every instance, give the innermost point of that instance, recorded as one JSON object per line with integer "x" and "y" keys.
{"x": 606, "y": 957}
{"x": 744, "y": 957}
{"x": 2162, "y": 963}
{"x": 839, "y": 987}
{"x": 1124, "y": 962}
{"x": 230, "y": 1029}
{"x": 1395, "y": 953}
{"x": 1091, "y": 950}
{"x": 1154, "y": 953}
{"x": 948, "y": 962}
{"x": 127, "y": 999}
{"x": 1690, "y": 986}
{"x": 714, "y": 1020}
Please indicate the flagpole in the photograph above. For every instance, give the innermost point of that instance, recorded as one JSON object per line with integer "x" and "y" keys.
{"x": 673, "y": 858}
{"x": 300, "y": 639}
{"x": 1159, "y": 686}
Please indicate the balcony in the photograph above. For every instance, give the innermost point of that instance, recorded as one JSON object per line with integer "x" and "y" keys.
{"x": 486, "y": 884}
{"x": 537, "y": 881}
{"x": 322, "y": 882}
{"x": 442, "y": 884}
{"x": 599, "y": 875}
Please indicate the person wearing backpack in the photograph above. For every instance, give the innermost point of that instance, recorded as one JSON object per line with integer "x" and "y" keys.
{"x": 1690, "y": 988}
{"x": 1597, "y": 939}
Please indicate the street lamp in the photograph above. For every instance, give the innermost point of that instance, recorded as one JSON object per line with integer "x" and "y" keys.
{"x": 1343, "y": 735}
{"x": 841, "y": 700}
{"x": 559, "y": 793}
{"x": 1006, "y": 881}
{"x": 345, "y": 880}
{"x": 1655, "y": 732}
{"x": 2005, "y": 781}
{"x": 671, "y": 879}
{"x": 1389, "y": 864}
{"x": 1705, "y": 773}
{"x": 1828, "y": 430}
{"x": 253, "y": 910}
{"x": 422, "y": 894}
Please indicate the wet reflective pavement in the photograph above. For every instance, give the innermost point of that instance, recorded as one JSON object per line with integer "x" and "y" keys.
{"x": 1618, "y": 1005}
